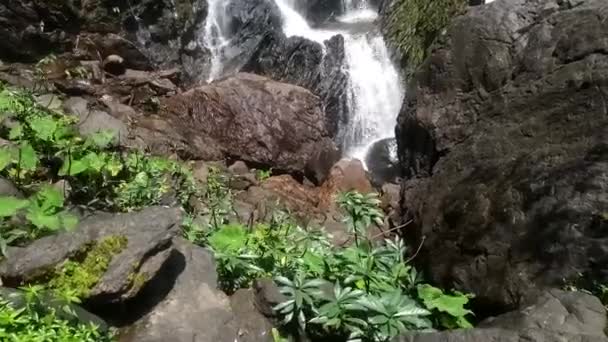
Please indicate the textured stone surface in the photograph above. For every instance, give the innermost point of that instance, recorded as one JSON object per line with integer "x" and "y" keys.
{"x": 504, "y": 136}
{"x": 556, "y": 316}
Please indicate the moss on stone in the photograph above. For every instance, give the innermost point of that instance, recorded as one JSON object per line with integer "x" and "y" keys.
{"x": 411, "y": 26}
{"x": 79, "y": 277}
{"x": 138, "y": 280}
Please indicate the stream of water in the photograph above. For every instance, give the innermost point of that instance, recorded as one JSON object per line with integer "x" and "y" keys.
{"x": 374, "y": 88}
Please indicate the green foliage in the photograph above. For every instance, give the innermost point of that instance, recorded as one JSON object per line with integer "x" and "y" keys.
{"x": 79, "y": 277}
{"x": 450, "y": 309}
{"x": 263, "y": 175}
{"x": 413, "y": 25}
{"x": 375, "y": 296}
{"x": 46, "y": 147}
{"x": 35, "y": 322}
{"x": 43, "y": 212}
{"x": 218, "y": 197}
{"x": 362, "y": 210}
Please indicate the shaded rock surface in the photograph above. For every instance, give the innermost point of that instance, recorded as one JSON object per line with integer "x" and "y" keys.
{"x": 251, "y": 118}
{"x": 504, "y": 136}
{"x": 188, "y": 306}
{"x": 556, "y": 316}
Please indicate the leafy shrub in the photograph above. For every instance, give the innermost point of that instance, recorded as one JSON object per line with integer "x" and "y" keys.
{"x": 35, "y": 322}
{"x": 365, "y": 292}
{"x": 43, "y": 146}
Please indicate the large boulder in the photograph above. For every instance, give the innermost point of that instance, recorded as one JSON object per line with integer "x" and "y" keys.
{"x": 253, "y": 119}
{"x": 147, "y": 237}
{"x": 555, "y": 316}
{"x": 504, "y": 134}
{"x": 302, "y": 62}
{"x": 183, "y": 303}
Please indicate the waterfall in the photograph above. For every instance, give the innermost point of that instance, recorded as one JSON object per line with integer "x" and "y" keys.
{"x": 215, "y": 38}
{"x": 374, "y": 93}
{"x": 374, "y": 88}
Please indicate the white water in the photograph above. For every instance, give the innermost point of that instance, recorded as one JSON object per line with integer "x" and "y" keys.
{"x": 374, "y": 88}
{"x": 215, "y": 38}
{"x": 374, "y": 94}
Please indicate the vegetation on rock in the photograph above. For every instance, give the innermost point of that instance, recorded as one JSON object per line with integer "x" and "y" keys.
{"x": 412, "y": 25}
{"x": 78, "y": 277}
{"x": 37, "y": 322}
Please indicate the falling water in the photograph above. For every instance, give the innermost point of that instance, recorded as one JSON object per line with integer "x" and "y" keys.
{"x": 374, "y": 88}
{"x": 215, "y": 38}
{"x": 374, "y": 92}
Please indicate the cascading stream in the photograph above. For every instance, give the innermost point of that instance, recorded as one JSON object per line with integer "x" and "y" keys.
{"x": 374, "y": 93}
{"x": 374, "y": 90}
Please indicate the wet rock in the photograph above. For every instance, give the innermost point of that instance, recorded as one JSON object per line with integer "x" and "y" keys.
{"x": 267, "y": 296}
{"x": 382, "y": 162}
{"x": 251, "y": 118}
{"x": 187, "y": 306}
{"x": 504, "y": 133}
{"x": 49, "y": 101}
{"x": 555, "y": 316}
{"x": 148, "y": 233}
{"x": 114, "y": 64}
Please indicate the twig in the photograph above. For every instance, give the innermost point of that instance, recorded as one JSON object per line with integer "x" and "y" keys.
{"x": 417, "y": 251}
{"x": 392, "y": 229}
{"x": 381, "y": 233}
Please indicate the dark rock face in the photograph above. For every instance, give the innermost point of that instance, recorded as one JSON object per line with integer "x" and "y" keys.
{"x": 554, "y": 317}
{"x": 382, "y": 162}
{"x": 253, "y": 119}
{"x": 508, "y": 118}
{"x": 146, "y": 33}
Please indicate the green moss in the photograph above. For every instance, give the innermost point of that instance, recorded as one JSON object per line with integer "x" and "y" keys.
{"x": 412, "y": 25}
{"x": 79, "y": 278}
{"x": 138, "y": 280}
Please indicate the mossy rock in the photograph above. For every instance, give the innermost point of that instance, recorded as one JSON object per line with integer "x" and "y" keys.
{"x": 78, "y": 277}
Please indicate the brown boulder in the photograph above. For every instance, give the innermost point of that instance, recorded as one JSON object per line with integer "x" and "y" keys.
{"x": 254, "y": 119}
{"x": 346, "y": 175}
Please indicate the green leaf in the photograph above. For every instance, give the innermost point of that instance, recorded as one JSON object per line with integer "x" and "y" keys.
{"x": 39, "y": 218}
{"x": 95, "y": 161}
{"x": 9, "y": 206}
{"x": 50, "y": 198}
{"x": 434, "y": 298}
{"x": 68, "y": 221}
{"x": 73, "y": 167}
{"x": 16, "y": 132}
{"x": 28, "y": 157}
{"x": 6, "y": 157}
{"x": 229, "y": 238}
{"x": 44, "y": 127}
{"x": 102, "y": 139}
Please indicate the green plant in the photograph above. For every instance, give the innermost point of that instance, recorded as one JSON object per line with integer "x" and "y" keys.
{"x": 35, "y": 322}
{"x": 412, "y": 25}
{"x": 263, "y": 175}
{"x": 301, "y": 294}
{"x": 391, "y": 314}
{"x": 340, "y": 313}
{"x": 80, "y": 276}
{"x": 218, "y": 196}
{"x": 450, "y": 309}
{"x": 362, "y": 210}
{"x": 44, "y": 214}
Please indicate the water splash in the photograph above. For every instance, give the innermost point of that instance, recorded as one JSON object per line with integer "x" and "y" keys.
{"x": 374, "y": 87}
